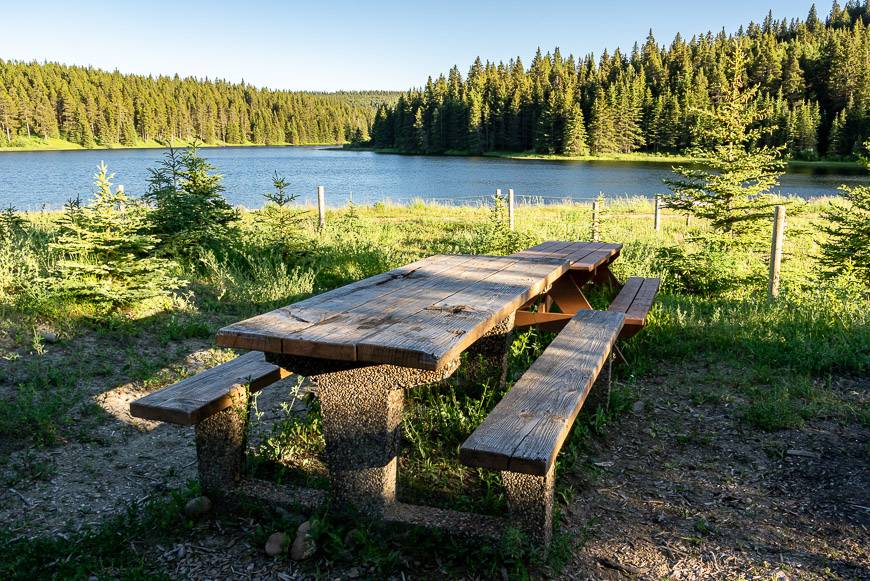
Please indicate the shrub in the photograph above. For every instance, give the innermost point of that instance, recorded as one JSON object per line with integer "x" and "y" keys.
{"x": 495, "y": 236}
{"x": 706, "y": 268}
{"x": 279, "y": 224}
{"x": 107, "y": 252}
{"x": 190, "y": 213}
{"x": 847, "y": 249}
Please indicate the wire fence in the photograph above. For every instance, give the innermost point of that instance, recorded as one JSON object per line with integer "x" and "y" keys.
{"x": 596, "y": 205}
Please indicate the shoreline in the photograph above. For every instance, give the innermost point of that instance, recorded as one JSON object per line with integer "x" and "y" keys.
{"x": 55, "y": 145}
{"x": 852, "y": 166}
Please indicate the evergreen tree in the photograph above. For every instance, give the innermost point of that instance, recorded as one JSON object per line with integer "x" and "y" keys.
{"x": 602, "y": 128}
{"x": 732, "y": 189}
{"x": 793, "y": 85}
{"x": 575, "y": 134}
{"x": 107, "y": 251}
{"x": 190, "y": 213}
{"x": 848, "y": 228}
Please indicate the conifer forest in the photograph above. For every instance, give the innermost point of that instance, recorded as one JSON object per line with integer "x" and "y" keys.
{"x": 813, "y": 79}
{"x": 91, "y": 108}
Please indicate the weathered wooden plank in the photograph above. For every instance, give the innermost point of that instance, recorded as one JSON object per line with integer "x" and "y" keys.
{"x": 582, "y": 250}
{"x": 193, "y": 399}
{"x": 338, "y": 337}
{"x": 596, "y": 259}
{"x": 635, "y": 299}
{"x": 264, "y": 332}
{"x": 585, "y": 256}
{"x": 643, "y": 301}
{"x": 553, "y": 248}
{"x": 545, "y": 321}
{"x": 626, "y": 295}
{"x": 442, "y": 330}
{"x": 526, "y": 429}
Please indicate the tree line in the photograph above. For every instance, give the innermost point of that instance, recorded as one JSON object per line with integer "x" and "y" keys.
{"x": 92, "y": 107}
{"x": 813, "y": 80}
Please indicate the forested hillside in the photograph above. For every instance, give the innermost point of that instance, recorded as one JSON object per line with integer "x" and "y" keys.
{"x": 813, "y": 78}
{"x": 91, "y": 107}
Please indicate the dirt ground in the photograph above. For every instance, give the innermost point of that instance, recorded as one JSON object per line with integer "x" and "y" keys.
{"x": 675, "y": 489}
{"x": 685, "y": 491}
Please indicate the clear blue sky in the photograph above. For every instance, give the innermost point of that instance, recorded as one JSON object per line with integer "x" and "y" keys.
{"x": 330, "y": 45}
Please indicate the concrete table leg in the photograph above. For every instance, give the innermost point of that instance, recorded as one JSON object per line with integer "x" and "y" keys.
{"x": 220, "y": 446}
{"x": 362, "y": 432}
{"x": 361, "y": 409}
{"x": 530, "y": 501}
{"x": 488, "y": 357}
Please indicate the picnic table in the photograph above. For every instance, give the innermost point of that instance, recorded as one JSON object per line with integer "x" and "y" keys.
{"x": 365, "y": 342}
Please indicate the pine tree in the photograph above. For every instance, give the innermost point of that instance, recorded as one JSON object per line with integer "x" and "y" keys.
{"x": 545, "y": 134}
{"x": 793, "y": 85}
{"x": 602, "y": 137}
{"x": 190, "y": 213}
{"x": 575, "y": 134}
{"x": 107, "y": 251}
{"x": 475, "y": 121}
{"x": 732, "y": 190}
{"x": 84, "y": 133}
{"x": 847, "y": 224}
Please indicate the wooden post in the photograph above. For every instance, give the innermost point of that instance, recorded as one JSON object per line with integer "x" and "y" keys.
{"x": 321, "y": 205}
{"x": 688, "y": 220}
{"x": 657, "y": 223}
{"x": 596, "y": 217}
{"x": 511, "y": 208}
{"x": 776, "y": 251}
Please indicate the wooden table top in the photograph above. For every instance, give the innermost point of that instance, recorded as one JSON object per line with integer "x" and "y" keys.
{"x": 584, "y": 256}
{"x": 422, "y": 315}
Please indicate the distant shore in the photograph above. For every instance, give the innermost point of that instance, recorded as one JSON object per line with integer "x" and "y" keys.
{"x": 636, "y": 157}
{"x": 52, "y": 144}
{"x": 35, "y": 144}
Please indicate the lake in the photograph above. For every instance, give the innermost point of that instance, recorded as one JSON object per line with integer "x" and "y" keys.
{"x": 46, "y": 179}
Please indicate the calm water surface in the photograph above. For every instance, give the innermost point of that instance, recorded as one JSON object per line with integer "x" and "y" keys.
{"x": 46, "y": 179}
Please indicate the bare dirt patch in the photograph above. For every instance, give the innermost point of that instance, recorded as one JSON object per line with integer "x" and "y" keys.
{"x": 681, "y": 490}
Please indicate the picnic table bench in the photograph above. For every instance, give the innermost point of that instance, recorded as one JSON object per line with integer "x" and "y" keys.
{"x": 364, "y": 343}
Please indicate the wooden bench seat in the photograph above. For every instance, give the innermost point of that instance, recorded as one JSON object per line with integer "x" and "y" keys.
{"x": 191, "y": 400}
{"x": 525, "y": 431}
{"x": 216, "y": 401}
{"x": 635, "y": 300}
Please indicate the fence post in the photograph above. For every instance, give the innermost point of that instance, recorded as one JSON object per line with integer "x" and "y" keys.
{"x": 596, "y": 217}
{"x": 511, "y": 208}
{"x": 776, "y": 251}
{"x": 657, "y": 223}
{"x": 321, "y": 205}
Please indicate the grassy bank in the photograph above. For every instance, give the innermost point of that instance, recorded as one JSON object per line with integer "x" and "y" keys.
{"x": 771, "y": 366}
{"x": 636, "y": 157}
{"x": 22, "y": 143}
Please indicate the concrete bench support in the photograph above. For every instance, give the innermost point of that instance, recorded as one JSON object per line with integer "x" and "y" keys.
{"x": 530, "y": 503}
{"x": 220, "y": 446}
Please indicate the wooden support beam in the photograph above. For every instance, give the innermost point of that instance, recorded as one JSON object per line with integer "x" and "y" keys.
{"x": 568, "y": 296}
{"x": 544, "y": 321}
